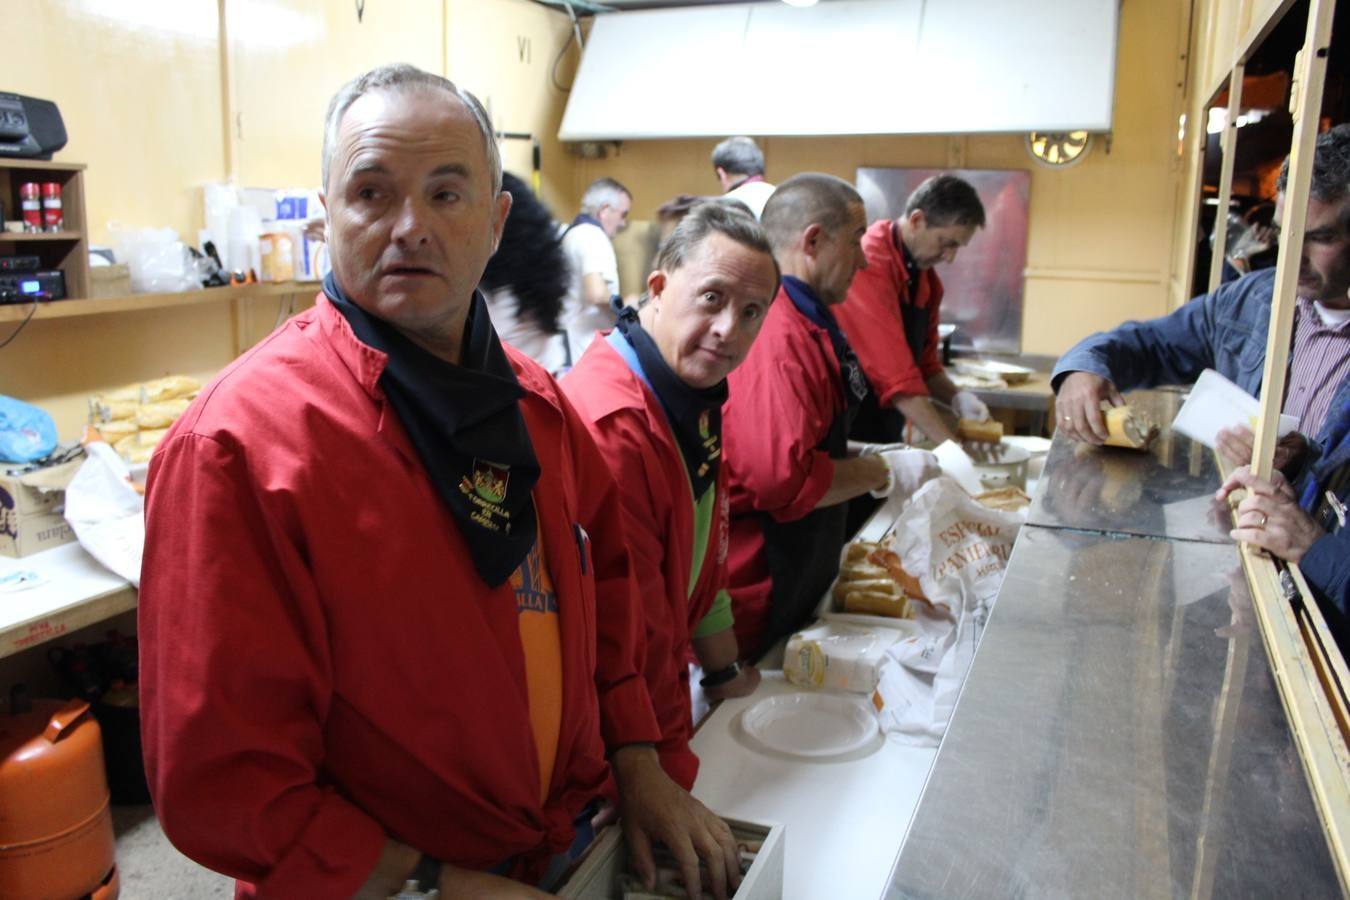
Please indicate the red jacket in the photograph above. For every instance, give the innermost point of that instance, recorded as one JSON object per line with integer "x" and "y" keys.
{"x": 783, "y": 399}
{"x": 321, "y": 666}
{"x": 870, "y": 318}
{"x": 634, "y": 435}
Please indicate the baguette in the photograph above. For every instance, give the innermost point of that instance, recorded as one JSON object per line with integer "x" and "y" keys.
{"x": 111, "y": 410}
{"x": 1007, "y": 499}
{"x": 1127, "y": 428}
{"x": 162, "y": 414}
{"x": 890, "y": 561}
{"x": 168, "y": 387}
{"x": 878, "y": 603}
{"x": 114, "y": 431}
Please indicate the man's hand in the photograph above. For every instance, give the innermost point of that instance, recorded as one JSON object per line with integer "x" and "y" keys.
{"x": 1235, "y": 446}
{"x": 910, "y": 470}
{"x": 743, "y": 685}
{"x": 1079, "y": 406}
{"x": 967, "y": 406}
{"x": 1269, "y": 516}
{"x": 655, "y": 808}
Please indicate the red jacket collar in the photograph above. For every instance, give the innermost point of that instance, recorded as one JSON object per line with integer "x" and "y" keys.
{"x": 881, "y": 249}
{"x": 616, "y": 387}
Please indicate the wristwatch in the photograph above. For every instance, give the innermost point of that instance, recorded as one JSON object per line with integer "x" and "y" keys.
{"x": 423, "y": 883}
{"x": 721, "y": 676}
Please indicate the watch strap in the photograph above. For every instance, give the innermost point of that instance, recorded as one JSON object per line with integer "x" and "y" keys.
{"x": 721, "y": 676}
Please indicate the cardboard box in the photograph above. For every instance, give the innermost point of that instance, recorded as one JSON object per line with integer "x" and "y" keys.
{"x": 594, "y": 877}
{"x": 23, "y": 535}
{"x": 110, "y": 281}
{"x": 31, "y": 507}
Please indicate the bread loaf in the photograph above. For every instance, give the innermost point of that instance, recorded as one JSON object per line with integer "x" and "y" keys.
{"x": 872, "y": 581}
{"x": 894, "y": 605}
{"x": 1128, "y": 428}
{"x": 989, "y": 432}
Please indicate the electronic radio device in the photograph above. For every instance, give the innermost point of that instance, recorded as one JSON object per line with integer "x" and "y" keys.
{"x": 23, "y": 287}
{"x": 30, "y": 128}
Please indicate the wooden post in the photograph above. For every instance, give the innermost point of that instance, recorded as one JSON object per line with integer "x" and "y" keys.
{"x": 1305, "y": 106}
{"x": 1309, "y": 669}
{"x": 1230, "y": 135}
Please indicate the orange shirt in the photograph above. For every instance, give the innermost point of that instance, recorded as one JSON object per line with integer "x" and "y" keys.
{"x": 537, "y": 606}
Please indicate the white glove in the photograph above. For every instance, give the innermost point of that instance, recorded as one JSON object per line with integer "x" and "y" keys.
{"x": 878, "y": 449}
{"x": 967, "y": 406}
{"x": 910, "y": 470}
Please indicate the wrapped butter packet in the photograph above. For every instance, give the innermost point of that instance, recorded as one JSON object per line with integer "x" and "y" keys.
{"x": 838, "y": 656}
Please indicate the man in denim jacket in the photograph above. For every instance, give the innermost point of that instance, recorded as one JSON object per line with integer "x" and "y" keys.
{"x": 1226, "y": 330}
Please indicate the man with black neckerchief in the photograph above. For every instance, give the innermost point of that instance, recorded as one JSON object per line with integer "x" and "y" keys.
{"x": 387, "y": 617}
{"x": 652, "y": 391}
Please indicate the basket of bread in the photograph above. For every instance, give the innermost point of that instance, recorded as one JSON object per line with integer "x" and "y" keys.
{"x": 134, "y": 418}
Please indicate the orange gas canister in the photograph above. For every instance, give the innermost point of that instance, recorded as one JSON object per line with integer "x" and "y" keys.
{"x": 56, "y": 836}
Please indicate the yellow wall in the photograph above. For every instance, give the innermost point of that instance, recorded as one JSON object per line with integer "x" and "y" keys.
{"x": 504, "y": 51}
{"x": 1099, "y": 247}
{"x": 138, "y": 85}
{"x": 147, "y": 90}
{"x": 288, "y": 57}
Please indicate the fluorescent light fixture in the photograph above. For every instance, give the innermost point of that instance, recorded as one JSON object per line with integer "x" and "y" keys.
{"x": 800, "y": 2}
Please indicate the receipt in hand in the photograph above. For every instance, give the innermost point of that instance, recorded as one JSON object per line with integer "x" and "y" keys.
{"x": 1215, "y": 403}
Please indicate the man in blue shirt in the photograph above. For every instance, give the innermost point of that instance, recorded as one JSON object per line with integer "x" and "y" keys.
{"x": 1226, "y": 330}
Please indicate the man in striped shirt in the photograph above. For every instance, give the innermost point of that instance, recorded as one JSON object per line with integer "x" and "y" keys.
{"x": 1227, "y": 330}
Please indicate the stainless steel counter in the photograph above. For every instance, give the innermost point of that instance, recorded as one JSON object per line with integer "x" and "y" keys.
{"x": 1119, "y": 733}
{"x": 1165, "y": 492}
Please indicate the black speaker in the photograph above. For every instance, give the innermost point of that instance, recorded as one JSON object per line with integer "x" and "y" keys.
{"x": 30, "y": 128}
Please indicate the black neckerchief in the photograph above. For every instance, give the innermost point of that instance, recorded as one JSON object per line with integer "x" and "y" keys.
{"x": 808, "y": 304}
{"x": 466, "y": 424}
{"x": 912, "y": 269}
{"x": 695, "y": 415}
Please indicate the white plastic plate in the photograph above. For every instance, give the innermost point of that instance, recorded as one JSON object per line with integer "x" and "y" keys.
{"x": 810, "y": 724}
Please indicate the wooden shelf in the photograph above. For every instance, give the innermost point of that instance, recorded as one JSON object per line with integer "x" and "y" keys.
{"x": 40, "y": 236}
{"x": 66, "y": 309}
{"x": 13, "y": 162}
{"x": 66, "y": 250}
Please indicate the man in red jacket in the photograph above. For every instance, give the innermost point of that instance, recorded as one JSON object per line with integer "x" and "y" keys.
{"x": 388, "y": 623}
{"x": 891, "y": 313}
{"x": 652, "y": 392}
{"x": 787, "y": 417}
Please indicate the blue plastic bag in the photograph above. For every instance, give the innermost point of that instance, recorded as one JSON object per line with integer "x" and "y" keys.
{"x": 26, "y": 432}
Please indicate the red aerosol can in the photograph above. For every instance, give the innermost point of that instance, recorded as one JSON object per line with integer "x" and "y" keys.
{"x": 52, "y": 217}
{"x": 30, "y": 199}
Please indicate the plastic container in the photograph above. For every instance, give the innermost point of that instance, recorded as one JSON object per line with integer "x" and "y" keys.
{"x": 840, "y": 656}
